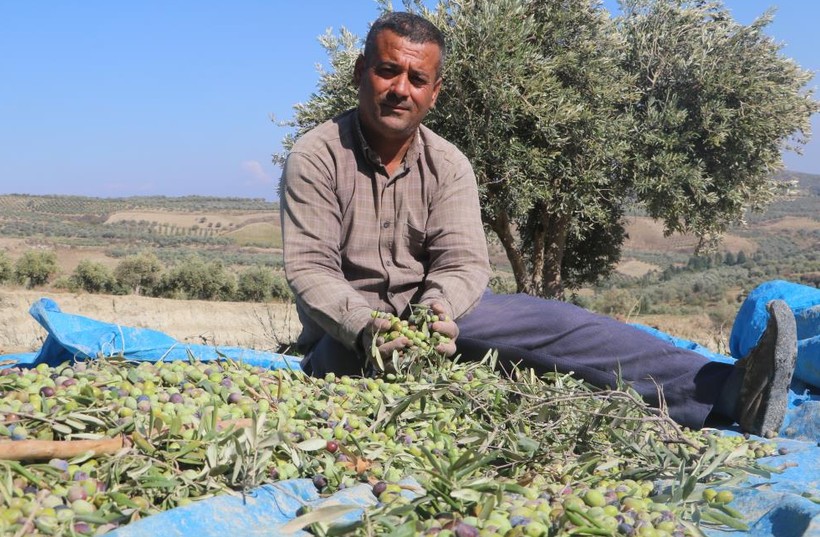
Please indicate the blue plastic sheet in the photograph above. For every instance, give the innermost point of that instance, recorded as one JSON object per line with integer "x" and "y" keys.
{"x": 267, "y": 510}
{"x": 752, "y": 316}
{"x": 74, "y": 337}
{"x": 773, "y": 507}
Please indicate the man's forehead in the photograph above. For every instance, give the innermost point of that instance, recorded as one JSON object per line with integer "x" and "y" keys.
{"x": 392, "y": 48}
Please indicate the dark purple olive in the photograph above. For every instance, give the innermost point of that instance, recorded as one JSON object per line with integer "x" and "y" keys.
{"x": 378, "y": 488}
{"x": 47, "y": 391}
{"x": 625, "y": 528}
{"x": 319, "y": 481}
{"x": 519, "y": 520}
{"x": 60, "y": 464}
{"x": 462, "y": 529}
{"x": 79, "y": 475}
{"x": 175, "y": 398}
{"x": 234, "y": 397}
{"x": 82, "y": 528}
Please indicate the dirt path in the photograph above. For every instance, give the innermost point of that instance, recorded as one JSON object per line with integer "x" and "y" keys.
{"x": 257, "y": 326}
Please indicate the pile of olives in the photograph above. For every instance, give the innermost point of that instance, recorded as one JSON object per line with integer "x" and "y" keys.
{"x": 181, "y": 423}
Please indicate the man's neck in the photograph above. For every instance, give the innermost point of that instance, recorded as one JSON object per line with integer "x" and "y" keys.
{"x": 390, "y": 152}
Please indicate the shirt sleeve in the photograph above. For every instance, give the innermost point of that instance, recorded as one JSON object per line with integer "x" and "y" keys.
{"x": 459, "y": 263}
{"x": 311, "y": 224}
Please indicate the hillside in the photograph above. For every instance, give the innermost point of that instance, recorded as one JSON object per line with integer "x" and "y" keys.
{"x": 662, "y": 283}
{"x": 658, "y": 282}
{"x": 236, "y": 230}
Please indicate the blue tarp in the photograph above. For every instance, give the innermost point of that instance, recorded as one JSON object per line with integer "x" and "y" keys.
{"x": 774, "y": 506}
{"x": 752, "y": 316}
{"x": 73, "y": 337}
{"x": 803, "y": 419}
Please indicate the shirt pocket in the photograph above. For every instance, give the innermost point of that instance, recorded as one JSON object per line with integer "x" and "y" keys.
{"x": 412, "y": 252}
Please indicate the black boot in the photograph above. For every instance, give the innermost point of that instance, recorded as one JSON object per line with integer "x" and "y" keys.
{"x": 764, "y": 375}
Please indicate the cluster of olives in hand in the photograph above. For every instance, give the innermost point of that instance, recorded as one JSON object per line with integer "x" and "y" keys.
{"x": 416, "y": 328}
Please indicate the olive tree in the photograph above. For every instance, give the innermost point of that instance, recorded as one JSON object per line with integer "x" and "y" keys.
{"x": 570, "y": 117}
{"x": 139, "y": 274}
{"x": 35, "y": 267}
{"x": 534, "y": 96}
{"x": 718, "y": 105}
{"x": 196, "y": 279}
{"x": 255, "y": 284}
{"x": 93, "y": 277}
{"x": 6, "y": 268}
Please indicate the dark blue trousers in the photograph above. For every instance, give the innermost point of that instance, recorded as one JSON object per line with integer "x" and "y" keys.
{"x": 550, "y": 335}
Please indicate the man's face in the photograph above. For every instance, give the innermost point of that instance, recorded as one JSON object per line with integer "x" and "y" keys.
{"x": 397, "y": 86}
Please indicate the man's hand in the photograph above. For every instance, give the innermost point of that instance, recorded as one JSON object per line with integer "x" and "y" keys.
{"x": 446, "y": 327}
{"x": 374, "y": 332}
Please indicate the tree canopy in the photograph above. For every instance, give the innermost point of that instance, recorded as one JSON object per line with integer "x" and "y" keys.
{"x": 570, "y": 117}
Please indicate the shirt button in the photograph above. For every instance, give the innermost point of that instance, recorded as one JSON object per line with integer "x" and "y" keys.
{"x": 388, "y": 263}
{"x": 391, "y": 294}
{"x": 386, "y": 225}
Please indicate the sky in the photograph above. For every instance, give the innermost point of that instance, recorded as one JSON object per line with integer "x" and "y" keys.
{"x": 150, "y": 97}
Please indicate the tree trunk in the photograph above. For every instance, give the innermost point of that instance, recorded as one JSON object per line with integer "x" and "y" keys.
{"x": 554, "y": 243}
{"x": 539, "y": 223}
{"x": 501, "y": 225}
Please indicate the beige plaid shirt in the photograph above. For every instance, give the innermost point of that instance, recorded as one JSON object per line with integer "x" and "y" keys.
{"x": 357, "y": 240}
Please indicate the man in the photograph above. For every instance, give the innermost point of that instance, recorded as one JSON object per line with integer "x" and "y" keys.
{"x": 378, "y": 212}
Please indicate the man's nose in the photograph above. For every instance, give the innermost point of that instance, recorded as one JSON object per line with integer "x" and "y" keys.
{"x": 401, "y": 86}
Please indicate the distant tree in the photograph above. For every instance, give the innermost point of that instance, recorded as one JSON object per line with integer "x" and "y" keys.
{"x": 196, "y": 279}
{"x": 741, "y": 258}
{"x": 6, "y": 268}
{"x": 93, "y": 277}
{"x": 255, "y": 284}
{"x": 281, "y": 290}
{"x": 139, "y": 274}
{"x": 35, "y": 268}
{"x": 729, "y": 258}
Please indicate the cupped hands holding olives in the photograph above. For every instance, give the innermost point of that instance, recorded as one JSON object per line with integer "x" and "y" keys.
{"x": 446, "y": 327}
{"x": 390, "y": 341}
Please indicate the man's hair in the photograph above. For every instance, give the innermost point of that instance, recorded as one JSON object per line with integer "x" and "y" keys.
{"x": 410, "y": 26}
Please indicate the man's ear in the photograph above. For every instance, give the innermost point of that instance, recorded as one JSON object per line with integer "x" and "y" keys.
{"x": 436, "y": 90}
{"x": 358, "y": 70}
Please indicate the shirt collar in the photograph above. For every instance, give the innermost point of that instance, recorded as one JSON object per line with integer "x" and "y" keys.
{"x": 411, "y": 156}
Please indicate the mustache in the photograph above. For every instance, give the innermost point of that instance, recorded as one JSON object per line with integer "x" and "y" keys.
{"x": 393, "y": 100}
